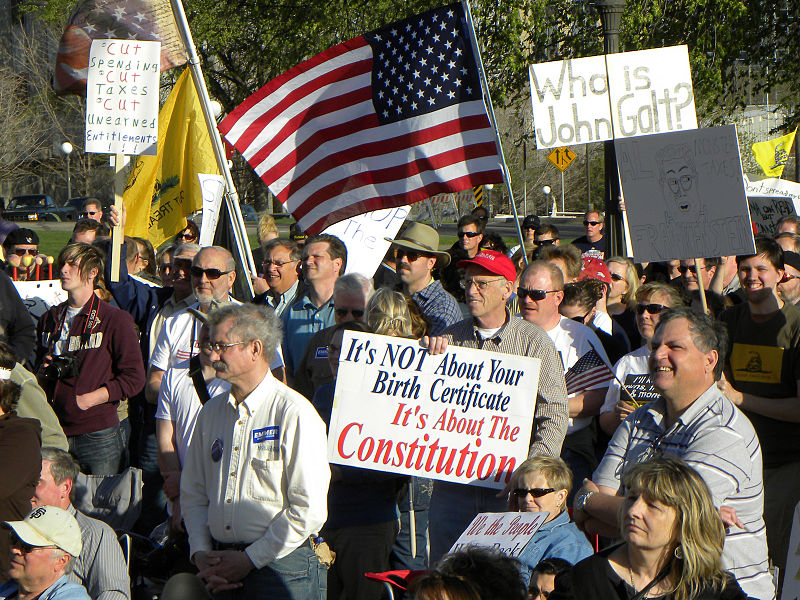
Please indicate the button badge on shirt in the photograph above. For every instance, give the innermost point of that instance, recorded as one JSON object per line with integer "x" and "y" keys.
{"x": 216, "y": 450}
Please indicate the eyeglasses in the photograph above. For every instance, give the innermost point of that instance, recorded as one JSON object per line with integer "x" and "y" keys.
{"x": 342, "y": 312}
{"x": 211, "y": 274}
{"x": 185, "y": 236}
{"x": 683, "y": 269}
{"x": 469, "y": 234}
{"x": 411, "y": 255}
{"x": 535, "y": 492}
{"x": 582, "y": 319}
{"x": 87, "y": 213}
{"x": 164, "y": 268}
{"x": 219, "y": 347}
{"x": 592, "y": 223}
{"x": 24, "y": 251}
{"x": 534, "y": 294}
{"x": 617, "y": 277}
{"x": 278, "y": 263}
{"x": 25, "y": 547}
{"x": 549, "y": 242}
{"x": 787, "y": 278}
{"x": 653, "y": 309}
{"x": 480, "y": 284}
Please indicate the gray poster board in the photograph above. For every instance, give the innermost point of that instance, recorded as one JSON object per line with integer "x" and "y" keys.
{"x": 684, "y": 194}
{"x": 766, "y": 211}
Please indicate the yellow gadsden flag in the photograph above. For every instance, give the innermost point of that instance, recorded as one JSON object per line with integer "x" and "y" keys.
{"x": 163, "y": 189}
{"x": 773, "y": 155}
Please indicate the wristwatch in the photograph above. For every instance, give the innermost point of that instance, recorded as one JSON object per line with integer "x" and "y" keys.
{"x": 582, "y": 499}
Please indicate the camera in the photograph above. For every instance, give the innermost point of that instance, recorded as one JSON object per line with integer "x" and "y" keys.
{"x": 62, "y": 367}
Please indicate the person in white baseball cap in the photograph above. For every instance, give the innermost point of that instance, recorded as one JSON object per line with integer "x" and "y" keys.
{"x": 43, "y": 548}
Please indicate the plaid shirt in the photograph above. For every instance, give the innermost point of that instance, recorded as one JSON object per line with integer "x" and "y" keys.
{"x": 438, "y": 306}
{"x": 519, "y": 337}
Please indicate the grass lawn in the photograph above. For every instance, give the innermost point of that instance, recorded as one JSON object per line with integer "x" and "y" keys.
{"x": 51, "y": 242}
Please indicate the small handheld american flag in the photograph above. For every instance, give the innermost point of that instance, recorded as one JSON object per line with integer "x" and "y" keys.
{"x": 590, "y": 370}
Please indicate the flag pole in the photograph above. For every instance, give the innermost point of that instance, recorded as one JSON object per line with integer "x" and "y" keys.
{"x": 488, "y": 99}
{"x": 231, "y": 196}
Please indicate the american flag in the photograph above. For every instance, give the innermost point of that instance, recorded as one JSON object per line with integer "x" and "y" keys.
{"x": 386, "y": 119}
{"x": 587, "y": 372}
{"x": 145, "y": 20}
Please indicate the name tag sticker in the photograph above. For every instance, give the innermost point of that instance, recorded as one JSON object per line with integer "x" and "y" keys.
{"x": 322, "y": 352}
{"x": 266, "y": 434}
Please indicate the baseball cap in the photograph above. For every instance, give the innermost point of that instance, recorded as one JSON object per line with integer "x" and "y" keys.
{"x": 594, "y": 268}
{"x": 530, "y": 222}
{"x": 21, "y": 236}
{"x": 49, "y": 526}
{"x": 491, "y": 260}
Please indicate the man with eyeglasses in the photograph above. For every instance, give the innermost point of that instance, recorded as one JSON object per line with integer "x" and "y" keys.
{"x": 91, "y": 210}
{"x": 694, "y": 421}
{"x": 282, "y": 273}
{"x": 593, "y": 243}
{"x": 540, "y": 291}
{"x": 789, "y": 285}
{"x": 351, "y": 293}
{"x": 488, "y": 282}
{"x": 688, "y": 271}
{"x": 18, "y": 245}
{"x": 529, "y": 226}
{"x": 470, "y": 233}
{"x": 254, "y": 485}
{"x": 43, "y": 549}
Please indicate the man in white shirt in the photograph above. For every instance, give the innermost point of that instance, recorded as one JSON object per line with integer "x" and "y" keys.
{"x": 255, "y": 483}
{"x": 540, "y": 291}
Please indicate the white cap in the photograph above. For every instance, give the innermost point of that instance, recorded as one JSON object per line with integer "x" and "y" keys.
{"x": 49, "y": 526}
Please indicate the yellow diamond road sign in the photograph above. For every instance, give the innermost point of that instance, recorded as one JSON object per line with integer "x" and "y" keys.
{"x": 562, "y": 157}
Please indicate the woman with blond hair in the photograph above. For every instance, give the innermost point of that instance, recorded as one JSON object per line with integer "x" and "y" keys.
{"x": 672, "y": 546}
{"x": 388, "y": 314}
{"x": 621, "y": 299}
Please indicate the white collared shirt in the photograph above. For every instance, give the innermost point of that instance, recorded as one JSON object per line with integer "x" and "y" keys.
{"x": 268, "y": 486}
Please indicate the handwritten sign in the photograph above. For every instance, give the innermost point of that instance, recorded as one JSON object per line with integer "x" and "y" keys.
{"x": 122, "y": 97}
{"x": 507, "y": 532}
{"x": 773, "y": 186}
{"x": 38, "y": 296}
{"x": 640, "y": 389}
{"x": 599, "y": 98}
{"x": 684, "y": 194}
{"x": 364, "y": 236}
{"x": 463, "y": 416}
{"x": 212, "y": 187}
{"x": 766, "y": 211}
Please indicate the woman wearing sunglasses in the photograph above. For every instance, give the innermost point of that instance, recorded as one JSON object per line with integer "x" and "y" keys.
{"x": 188, "y": 235}
{"x": 621, "y": 300}
{"x": 542, "y": 484}
{"x": 652, "y": 299}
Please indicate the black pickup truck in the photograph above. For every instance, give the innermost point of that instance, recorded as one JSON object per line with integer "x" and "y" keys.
{"x": 37, "y": 207}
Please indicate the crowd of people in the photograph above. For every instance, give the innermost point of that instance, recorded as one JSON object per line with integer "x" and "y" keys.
{"x": 675, "y": 475}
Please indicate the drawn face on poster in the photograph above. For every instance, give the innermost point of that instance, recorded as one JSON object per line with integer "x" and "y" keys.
{"x": 677, "y": 176}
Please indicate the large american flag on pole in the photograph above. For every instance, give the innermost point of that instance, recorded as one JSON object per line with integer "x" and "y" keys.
{"x": 590, "y": 370}
{"x": 386, "y": 119}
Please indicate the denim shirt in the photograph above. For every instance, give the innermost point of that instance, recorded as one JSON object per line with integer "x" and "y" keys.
{"x": 558, "y": 538}
{"x": 62, "y": 589}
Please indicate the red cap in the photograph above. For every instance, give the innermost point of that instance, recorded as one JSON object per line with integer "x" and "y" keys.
{"x": 491, "y": 260}
{"x": 594, "y": 268}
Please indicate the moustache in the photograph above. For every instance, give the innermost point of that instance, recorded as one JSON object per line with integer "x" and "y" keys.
{"x": 219, "y": 366}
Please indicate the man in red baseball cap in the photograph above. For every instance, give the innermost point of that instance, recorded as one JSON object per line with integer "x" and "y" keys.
{"x": 488, "y": 283}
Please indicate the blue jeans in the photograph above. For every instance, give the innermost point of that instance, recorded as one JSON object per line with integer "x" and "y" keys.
{"x": 98, "y": 452}
{"x": 453, "y": 506}
{"x": 298, "y": 576}
{"x": 154, "y": 501}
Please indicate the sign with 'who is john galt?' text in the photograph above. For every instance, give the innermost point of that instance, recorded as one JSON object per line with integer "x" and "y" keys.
{"x": 463, "y": 416}
{"x": 622, "y": 95}
{"x": 122, "y": 97}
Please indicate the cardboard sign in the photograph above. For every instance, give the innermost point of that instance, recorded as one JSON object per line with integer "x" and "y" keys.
{"x": 364, "y": 237}
{"x": 766, "y": 211}
{"x": 38, "y": 296}
{"x": 464, "y": 416}
{"x": 122, "y": 97}
{"x": 599, "y": 98}
{"x": 775, "y": 187}
{"x": 640, "y": 389}
{"x": 212, "y": 188}
{"x": 507, "y": 532}
{"x": 684, "y": 194}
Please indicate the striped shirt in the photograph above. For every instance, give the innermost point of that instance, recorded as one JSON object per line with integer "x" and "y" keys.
{"x": 517, "y": 336}
{"x": 100, "y": 567}
{"x": 719, "y": 442}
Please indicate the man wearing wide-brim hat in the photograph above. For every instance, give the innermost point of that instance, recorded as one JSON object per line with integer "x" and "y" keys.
{"x": 43, "y": 548}
{"x": 417, "y": 255}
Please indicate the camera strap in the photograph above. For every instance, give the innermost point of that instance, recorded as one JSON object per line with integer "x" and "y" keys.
{"x": 94, "y": 303}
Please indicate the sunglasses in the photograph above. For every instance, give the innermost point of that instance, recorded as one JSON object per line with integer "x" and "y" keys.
{"x": 534, "y": 294}
{"x": 549, "y": 242}
{"x": 535, "y": 492}
{"x": 343, "y": 312}
{"x": 411, "y": 255}
{"x": 219, "y": 347}
{"x": 89, "y": 213}
{"x": 469, "y": 234}
{"x": 593, "y": 223}
{"x": 616, "y": 277}
{"x": 787, "y": 278}
{"x": 684, "y": 269}
{"x": 185, "y": 236}
{"x": 24, "y": 251}
{"x": 653, "y": 309}
{"x": 210, "y": 274}
{"x": 582, "y": 319}
{"x": 23, "y": 546}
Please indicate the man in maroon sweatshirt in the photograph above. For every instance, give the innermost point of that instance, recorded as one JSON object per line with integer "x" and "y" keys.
{"x": 88, "y": 359}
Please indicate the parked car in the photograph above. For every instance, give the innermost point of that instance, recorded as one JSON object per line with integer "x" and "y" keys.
{"x": 249, "y": 213}
{"x": 77, "y": 203}
{"x": 37, "y": 207}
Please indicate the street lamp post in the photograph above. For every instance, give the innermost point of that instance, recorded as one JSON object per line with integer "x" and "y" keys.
{"x": 610, "y": 17}
{"x": 66, "y": 148}
{"x": 488, "y": 187}
{"x": 546, "y": 192}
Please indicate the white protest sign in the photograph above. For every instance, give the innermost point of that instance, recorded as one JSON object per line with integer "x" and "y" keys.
{"x": 775, "y": 187}
{"x": 212, "y": 188}
{"x": 507, "y": 532}
{"x": 766, "y": 211}
{"x": 38, "y": 296}
{"x": 599, "y": 98}
{"x": 463, "y": 416}
{"x": 363, "y": 235}
{"x": 122, "y": 97}
{"x": 684, "y": 194}
{"x": 651, "y": 91}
